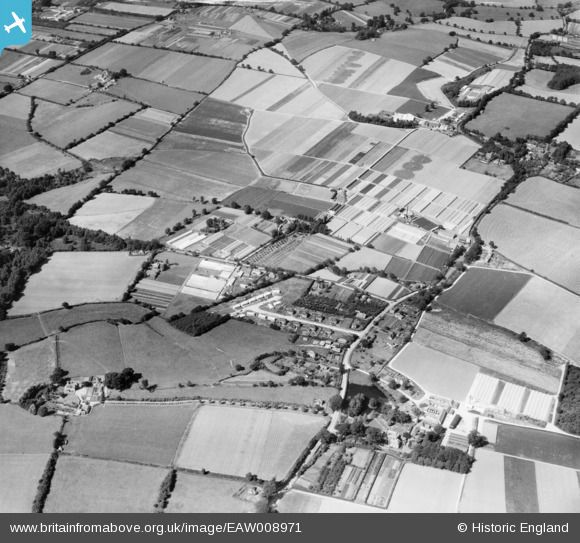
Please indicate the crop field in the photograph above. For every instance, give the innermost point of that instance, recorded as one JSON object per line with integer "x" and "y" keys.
{"x": 363, "y": 258}
{"x": 297, "y": 501}
{"x": 279, "y": 93}
{"x": 63, "y": 198}
{"x": 147, "y": 125}
{"x": 301, "y": 44}
{"x": 18, "y": 64}
{"x": 538, "y": 445}
{"x": 268, "y": 60}
{"x": 138, "y": 10}
{"x": 76, "y": 278}
{"x": 484, "y": 293}
{"x": 439, "y": 373}
{"x": 188, "y": 72}
{"x": 144, "y": 433}
{"x": 235, "y": 441}
{"x": 23, "y": 433}
{"x": 409, "y": 495}
{"x": 488, "y": 347}
{"x": 109, "y": 487}
{"x": 312, "y": 251}
{"x": 108, "y": 144}
{"x": 571, "y": 134}
{"x": 539, "y": 244}
{"x": 54, "y": 91}
{"x": 201, "y": 494}
{"x": 537, "y": 85}
{"x": 50, "y": 120}
{"x": 111, "y": 21}
{"x": 517, "y": 116}
{"x": 19, "y": 475}
{"x": 90, "y": 349}
{"x": 27, "y": 366}
{"x": 547, "y": 313}
{"x": 168, "y": 357}
{"x": 504, "y": 484}
{"x": 155, "y": 95}
{"x": 552, "y": 200}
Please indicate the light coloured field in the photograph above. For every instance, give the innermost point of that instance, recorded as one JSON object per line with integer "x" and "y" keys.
{"x": 489, "y": 347}
{"x": 147, "y": 433}
{"x": 297, "y": 501}
{"x": 235, "y": 441}
{"x": 54, "y": 91}
{"x": 356, "y": 69}
{"x": 30, "y": 365}
{"x": 19, "y": 64}
{"x": 62, "y": 125}
{"x": 108, "y": 144}
{"x": 547, "y": 247}
{"x": 189, "y": 72}
{"x": 529, "y": 27}
{"x": 77, "y": 277}
{"x": 491, "y": 34}
{"x": 411, "y": 494}
{"x": 85, "y": 485}
{"x": 23, "y": 433}
{"x": 63, "y": 198}
{"x": 37, "y": 159}
{"x": 537, "y": 85}
{"x": 571, "y": 134}
{"x": 367, "y": 103}
{"x": 301, "y": 44}
{"x": 19, "y": 475}
{"x": 493, "y": 486}
{"x": 436, "y": 372}
{"x": 271, "y": 92}
{"x": 207, "y": 494}
{"x": 363, "y": 258}
{"x": 553, "y": 200}
{"x": 547, "y": 313}
{"x": 382, "y": 287}
{"x": 111, "y": 212}
{"x": 138, "y": 9}
{"x": 268, "y": 60}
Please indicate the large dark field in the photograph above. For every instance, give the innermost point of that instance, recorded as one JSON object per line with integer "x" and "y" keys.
{"x": 520, "y": 486}
{"x": 484, "y": 293}
{"x": 538, "y": 445}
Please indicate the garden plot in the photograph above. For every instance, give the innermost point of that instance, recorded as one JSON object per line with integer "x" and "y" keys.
{"x": 436, "y": 372}
{"x": 62, "y": 125}
{"x": 235, "y": 441}
{"x": 310, "y": 252}
{"x": 410, "y": 496}
{"x": 155, "y": 95}
{"x": 19, "y": 476}
{"x": 78, "y": 277}
{"x": 271, "y": 92}
{"x": 148, "y": 434}
{"x": 383, "y": 287}
{"x": 109, "y": 487}
{"x": 536, "y": 84}
{"x": 547, "y": 247}
{"x": 355, "y": 69}
{"x": 189, "y": 72}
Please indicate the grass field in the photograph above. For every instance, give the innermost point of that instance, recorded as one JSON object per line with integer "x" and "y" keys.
{"x": 23, "y": 433}
{"x": 77, "y": 277}
{"x": 202, "y": 494}
{"x": 167, "y": 356}
{"x": 438, "y": 373}
{"x": 301, "y": 44}
{"x": 544, "y": 197}
{"x": 297, "y": 501}
{"x": 108, "y": 487}
{"x": 410, "y": 496}
{"x": 29, "y": 365}
{"x": 484, "y": 293}
{"x": 571, "y": 134}
{"x": 536, "y": 84}
{"x": 504, "y": 484}
{"x": 19, "y": 475}
{"x": 538, "y": 445}
{"x": 539, "y": 244}
{"x": 517, "y": 116}
{"x": 145, "y": 433}
{"x": 488, "y": 347}
{"x": 54, "y": 91}
{"x": 235, "y": 441}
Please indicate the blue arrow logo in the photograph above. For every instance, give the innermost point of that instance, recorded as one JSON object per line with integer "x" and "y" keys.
{"x": 16, "y": 21}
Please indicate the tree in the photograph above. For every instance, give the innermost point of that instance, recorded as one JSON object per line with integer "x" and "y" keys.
{"x": 144, "y": 384}
{"x": 269, "y": 489}
{"x": 57, "y": 376}
{"x": 475, "y": 439}
{"x": 10, "y": 347}
{"x": 266, "y": 215}
{"x": 356, "y": 405}
{"x": 239, "y": 367}
{"x": 8, "y": 87}
{"x": 523, "y": 337}
{"x": 65, "y": 305}
{"x": 335, "y": 403}
{"x": 248, "y": 209}
{"x": 235, "y": 205}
